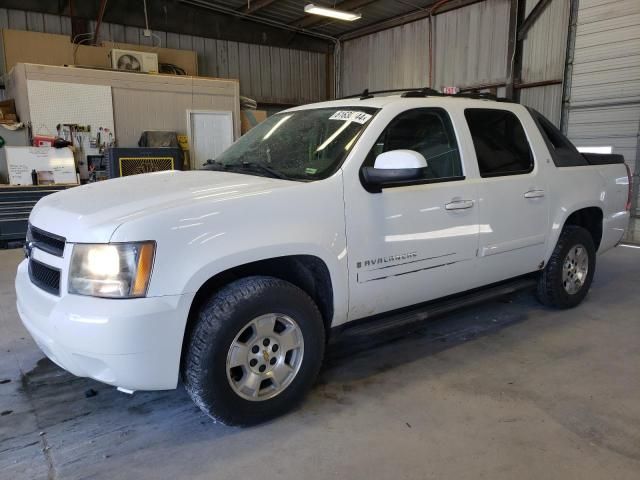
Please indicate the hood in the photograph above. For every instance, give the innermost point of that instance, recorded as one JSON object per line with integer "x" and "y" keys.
{"x": 91, "y": 213}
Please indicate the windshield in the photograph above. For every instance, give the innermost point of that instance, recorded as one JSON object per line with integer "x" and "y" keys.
{"x": 300, "y": 145}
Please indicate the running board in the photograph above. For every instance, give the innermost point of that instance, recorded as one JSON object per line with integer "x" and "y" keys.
{"x": 398, "y": 324}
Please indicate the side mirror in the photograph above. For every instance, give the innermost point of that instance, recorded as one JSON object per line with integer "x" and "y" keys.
{"x": 393, "y": 168}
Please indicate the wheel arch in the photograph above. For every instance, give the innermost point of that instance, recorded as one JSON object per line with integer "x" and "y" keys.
{"x": 308, "y": 272}
{"x": 589, "y": 217}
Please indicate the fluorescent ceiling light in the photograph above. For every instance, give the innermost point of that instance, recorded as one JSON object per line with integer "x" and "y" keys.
{"x": 331, "y": 12}
{"x": 276, "y": 126}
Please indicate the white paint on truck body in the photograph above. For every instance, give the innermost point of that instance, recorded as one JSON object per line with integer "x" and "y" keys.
{"x": 383, "y": 251}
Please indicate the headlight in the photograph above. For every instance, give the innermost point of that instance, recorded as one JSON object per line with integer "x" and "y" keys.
{"x": 117, "y": 270}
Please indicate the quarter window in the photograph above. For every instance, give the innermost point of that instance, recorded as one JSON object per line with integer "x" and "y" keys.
{"x": 562, "y": 151}
{"x": 427, "y": 131}
{"x": 500, "y": 143}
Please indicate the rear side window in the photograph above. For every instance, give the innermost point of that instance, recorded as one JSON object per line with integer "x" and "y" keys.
{"x": 501, "y": 145}
{"x": 562, "y": 151}
{"x": 554, "y": 135}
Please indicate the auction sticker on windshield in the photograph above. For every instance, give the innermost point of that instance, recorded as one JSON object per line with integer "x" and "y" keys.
{"x": 354, "y": 116}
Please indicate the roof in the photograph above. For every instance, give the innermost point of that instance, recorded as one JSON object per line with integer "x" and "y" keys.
{"x": 382, "y": 101}
{"x": 291, "y": 12}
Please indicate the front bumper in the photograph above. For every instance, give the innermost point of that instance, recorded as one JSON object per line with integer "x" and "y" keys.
{"x": 130, "y": 343}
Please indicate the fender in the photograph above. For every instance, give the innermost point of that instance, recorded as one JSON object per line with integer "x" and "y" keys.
{"x": 576, "y": 188}
{"x": 560, "y": 218}
{"x": 337, "y": 267}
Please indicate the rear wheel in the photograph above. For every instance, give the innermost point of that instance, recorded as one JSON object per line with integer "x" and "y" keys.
{"x": 255, "y": 351}
{"x": 567, "y": 277}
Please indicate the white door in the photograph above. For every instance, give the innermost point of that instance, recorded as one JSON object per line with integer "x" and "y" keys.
{"x": 412, "y": 243}
{"x": 513, "y": 203}
{"x": 210, "y": 133}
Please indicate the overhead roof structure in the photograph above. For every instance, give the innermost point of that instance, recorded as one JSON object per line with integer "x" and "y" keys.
{"x": 282, "y": 23}
{"x": 290, "y": 13}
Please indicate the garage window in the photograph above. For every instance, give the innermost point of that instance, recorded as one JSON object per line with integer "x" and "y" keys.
{"x": 427, "y": 131}
{"x": 500, "y": 143}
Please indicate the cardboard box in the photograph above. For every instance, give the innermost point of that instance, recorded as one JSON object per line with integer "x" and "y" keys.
{"x": 250, "y": 118}
{"x": 9, "y": 118}
{"x": 8, "y": 111}
{"x": 20, "y": 46}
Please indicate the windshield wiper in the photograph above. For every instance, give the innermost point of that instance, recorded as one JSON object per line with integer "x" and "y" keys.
{"x": 213, "y": 164}
{"x": 263, "y": 168}
{"x": 245, "y": 166}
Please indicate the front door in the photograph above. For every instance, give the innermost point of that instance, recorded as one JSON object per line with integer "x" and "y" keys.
{"x": 410, "y": 244}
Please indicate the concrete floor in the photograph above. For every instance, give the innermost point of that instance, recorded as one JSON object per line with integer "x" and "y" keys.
{"x": 508, "y": 390}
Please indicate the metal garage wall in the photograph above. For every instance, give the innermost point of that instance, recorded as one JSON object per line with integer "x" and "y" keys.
{"x": 543, "y": 58}
{"x": 604, "y": 106}
{"x": 471, "y": 44}
{"x": 470, "y": 47}
{"x": 604, "y": 95}
{"x": 268, "y": 74}
{"x": 547, "y": 100}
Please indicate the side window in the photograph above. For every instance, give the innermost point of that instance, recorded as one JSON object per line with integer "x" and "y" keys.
{"x": 562, "y": 151}
{"x": 501, "y": 145}
{"x": 427, "y": 131}
{"x": 554, "y": 135}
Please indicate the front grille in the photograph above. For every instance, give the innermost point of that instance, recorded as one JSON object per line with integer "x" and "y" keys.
{"x": 48, "y": 242}
{"x": 44, "y": 277}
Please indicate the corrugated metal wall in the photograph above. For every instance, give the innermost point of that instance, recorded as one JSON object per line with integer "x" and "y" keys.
{"x": 543, "y": 58}
{"x": 471, "y": 44}
{"x": 604, "y": 104}
{"x": 604, "y": 96}
{"x": 470, "y": 47}
{"x": 268, "y": 74}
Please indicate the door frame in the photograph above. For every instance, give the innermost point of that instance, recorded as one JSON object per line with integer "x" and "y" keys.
{"x": 190, "y": 134}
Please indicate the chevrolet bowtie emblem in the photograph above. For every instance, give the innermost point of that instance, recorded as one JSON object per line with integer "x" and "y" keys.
{"x": 265, "y": 355}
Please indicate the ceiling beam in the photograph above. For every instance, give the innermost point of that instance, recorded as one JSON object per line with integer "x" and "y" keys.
{"x": 176, "y": 17}
{"x": 254, "y": 6}
{"x": 515, "y": 7}
{"x": 403, "y": 19}
{"x": 531, "y": 19}
{"x": 313, "y": 20}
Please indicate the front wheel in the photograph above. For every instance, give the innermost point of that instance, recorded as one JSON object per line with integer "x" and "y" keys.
{"x": 566, "y": 279}
{"x": 255, "y": 351}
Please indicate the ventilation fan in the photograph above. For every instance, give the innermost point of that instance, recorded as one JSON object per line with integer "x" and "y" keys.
{"x": 133, "y": 61}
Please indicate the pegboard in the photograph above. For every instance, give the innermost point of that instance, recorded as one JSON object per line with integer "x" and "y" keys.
{"x": 53, "y": 103}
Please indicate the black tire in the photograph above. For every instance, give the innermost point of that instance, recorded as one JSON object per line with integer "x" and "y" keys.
{"x": 220, "y": 320}
{"x": 551, "y": 291}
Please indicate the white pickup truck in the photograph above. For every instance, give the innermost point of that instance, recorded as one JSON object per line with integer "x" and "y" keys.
{"x": 233, "y": 277}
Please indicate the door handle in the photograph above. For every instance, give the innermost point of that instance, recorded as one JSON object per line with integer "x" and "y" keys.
{"x": 534, "y": 194}
{"x": 459, "y": 205}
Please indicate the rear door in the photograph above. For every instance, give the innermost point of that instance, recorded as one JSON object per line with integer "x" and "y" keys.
{"x": 512, "y": 192}
{"x": 413, "y": 243}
